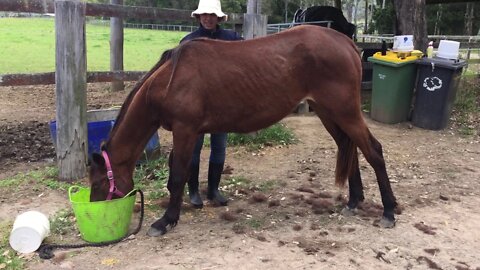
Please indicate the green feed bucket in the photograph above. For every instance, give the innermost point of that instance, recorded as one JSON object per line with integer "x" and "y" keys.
{"x": 101, "y": 221}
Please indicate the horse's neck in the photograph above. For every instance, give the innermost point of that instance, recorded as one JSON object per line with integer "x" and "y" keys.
{"x": 132, "y": 135}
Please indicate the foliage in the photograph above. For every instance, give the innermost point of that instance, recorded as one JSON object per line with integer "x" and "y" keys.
{"x": 63, "y": 222}
{"x": 27, "y": 45}
{"x": 234, "y": 6}
{"x": 442, "y": 19}
{"x": 466, "y": 110}
{"x": 277, "y": 134}
{"x": 151, "y": 177}
{"x": 449, "y": 19}
{"x": 382, "y": 20}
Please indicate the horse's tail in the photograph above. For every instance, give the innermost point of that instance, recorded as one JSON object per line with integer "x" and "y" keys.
{"x": 347, "y": 160}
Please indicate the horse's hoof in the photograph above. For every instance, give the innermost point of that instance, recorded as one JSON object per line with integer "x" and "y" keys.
{"x": 386, "y": 223}
{"x": 348, "y": 212}
{"x": 154, "y": 232}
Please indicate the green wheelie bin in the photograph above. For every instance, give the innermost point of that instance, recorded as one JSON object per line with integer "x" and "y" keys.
{"x": 392, "y": 86}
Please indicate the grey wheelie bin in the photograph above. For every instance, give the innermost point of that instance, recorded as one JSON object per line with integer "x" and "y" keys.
{"x": 436, "y": 87}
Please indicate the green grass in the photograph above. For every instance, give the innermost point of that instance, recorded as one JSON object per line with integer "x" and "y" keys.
{"x": 466, "y": 110}
{"x": 151, "y": 177}
{"x": 37, "y": 180}
{"x": 277, "y": 134}
{"x": 236, "y": 182}
{"x": 27, "y": 45}
{"x": 8, "y": 257}
{"x": 63, "y": 222}
{"x": 267, "y": 185}
{"x": 255, "y": 223}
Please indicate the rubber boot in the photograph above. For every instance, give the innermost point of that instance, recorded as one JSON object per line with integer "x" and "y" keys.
{"x": 193, "y": 193}
{"x": 214, "y": 176}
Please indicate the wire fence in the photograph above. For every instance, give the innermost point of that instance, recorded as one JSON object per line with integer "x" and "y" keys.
{"x": 164, "y": 27}
{"x": 278, "y": 27}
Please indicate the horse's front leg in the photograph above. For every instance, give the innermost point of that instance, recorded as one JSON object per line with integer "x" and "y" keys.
{"x": 179, "y": 163}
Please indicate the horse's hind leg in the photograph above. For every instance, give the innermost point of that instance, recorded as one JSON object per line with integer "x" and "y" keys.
{"x": 357, "y": 131}
{"x": 355, "y": 185}
{"x": 179, "y": 162}
{"x": 372, "y": 150}
{"x": 374, "y": 154}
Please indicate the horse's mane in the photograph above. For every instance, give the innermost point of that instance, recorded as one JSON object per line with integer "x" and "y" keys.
{"x": 167, "y": 55}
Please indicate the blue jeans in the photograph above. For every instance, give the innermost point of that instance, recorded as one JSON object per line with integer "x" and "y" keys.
{"x": 218, "y": 145}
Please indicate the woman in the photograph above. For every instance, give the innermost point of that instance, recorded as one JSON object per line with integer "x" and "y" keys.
{"x": 209, "y": 14}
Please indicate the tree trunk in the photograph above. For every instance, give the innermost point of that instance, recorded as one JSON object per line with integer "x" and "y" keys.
{"x": 349, "y": 8}
{"x": 355, "y": 10}
{"x": 365, "y": 26}
{"x": 469, "y": 18}
{"x": 411, "y": 20}
{"x": 338, "y": 4}
{"x": 439, "y": 17}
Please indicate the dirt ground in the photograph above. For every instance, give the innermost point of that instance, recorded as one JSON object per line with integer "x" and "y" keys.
{"x": 295, "y": 224}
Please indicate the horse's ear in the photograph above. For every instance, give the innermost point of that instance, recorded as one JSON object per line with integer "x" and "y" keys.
{"x": 97, "y": 159}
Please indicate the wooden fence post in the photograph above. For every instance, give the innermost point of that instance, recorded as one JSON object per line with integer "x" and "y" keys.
{"x": 254, "y": 23}
{"x": 70, "y": 87}
{"x": 116, "y": 46}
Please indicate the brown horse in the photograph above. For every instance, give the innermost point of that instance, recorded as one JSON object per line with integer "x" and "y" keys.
{"x": 208, "y": 86}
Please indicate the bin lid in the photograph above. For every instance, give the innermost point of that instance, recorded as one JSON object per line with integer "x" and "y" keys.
{"x": 395, "y": 59}
{"x": 442, "y": 62}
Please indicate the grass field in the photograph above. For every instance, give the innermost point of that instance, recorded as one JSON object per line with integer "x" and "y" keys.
{"x": 27, "y": 45}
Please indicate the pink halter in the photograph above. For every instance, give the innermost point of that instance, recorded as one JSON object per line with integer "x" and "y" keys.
{"x": 111, "y": 180}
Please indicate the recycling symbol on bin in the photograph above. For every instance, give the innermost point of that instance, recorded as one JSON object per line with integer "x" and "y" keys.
{"x": 432, "y": 83}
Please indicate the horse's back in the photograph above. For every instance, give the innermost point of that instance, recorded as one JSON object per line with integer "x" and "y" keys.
{"x": 304, "y": 41}
{"x": 264, "y": 77}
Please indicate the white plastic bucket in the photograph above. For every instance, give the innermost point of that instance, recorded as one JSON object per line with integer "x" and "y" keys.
{"x": 448, "y": 49}
{"x": 403, "y": 43}
{"x": 29, "y": 230}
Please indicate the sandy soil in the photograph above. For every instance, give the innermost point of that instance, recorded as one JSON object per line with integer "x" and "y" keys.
{"x": 295, "y": 224}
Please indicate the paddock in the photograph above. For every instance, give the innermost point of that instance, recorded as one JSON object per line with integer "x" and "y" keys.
{"x": 434, "y": 174}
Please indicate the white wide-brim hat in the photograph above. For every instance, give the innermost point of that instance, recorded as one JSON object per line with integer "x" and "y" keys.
{"x": 210, "y": 7}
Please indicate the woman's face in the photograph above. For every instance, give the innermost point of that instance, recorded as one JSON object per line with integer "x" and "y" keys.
{"x": 209, "y": 21}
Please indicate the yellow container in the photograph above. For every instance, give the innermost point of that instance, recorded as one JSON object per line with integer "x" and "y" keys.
{"x": 398, "y": 57}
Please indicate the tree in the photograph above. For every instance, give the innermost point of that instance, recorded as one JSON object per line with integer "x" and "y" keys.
{"x": 338, "y": 4}
{"x": 469, "y": 18}
{"x": 411, "y": 20}
{"x": 383, "y": 18}
{"x": 453, "y": 19}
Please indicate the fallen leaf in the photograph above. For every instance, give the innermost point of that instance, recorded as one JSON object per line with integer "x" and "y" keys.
{"x": 109, "y": 262}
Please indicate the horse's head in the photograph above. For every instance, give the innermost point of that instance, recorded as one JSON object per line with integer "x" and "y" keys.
{"x": 103, "y": 184}
{"x": 99, "y": 183}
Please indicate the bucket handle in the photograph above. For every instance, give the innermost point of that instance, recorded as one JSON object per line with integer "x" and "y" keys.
{"x": 75, "y": 188}
{"x": 133, "y": 191}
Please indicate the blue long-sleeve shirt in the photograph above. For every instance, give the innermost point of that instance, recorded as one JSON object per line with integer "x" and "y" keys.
{"x": 217, "y": 33}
